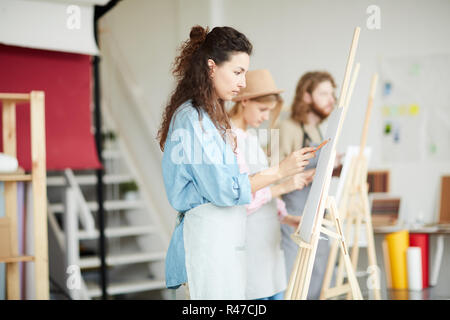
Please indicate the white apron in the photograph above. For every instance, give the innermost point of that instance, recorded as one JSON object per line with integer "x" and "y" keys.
{"x": 214, "y": 242}
{"x": 266, "y": 272}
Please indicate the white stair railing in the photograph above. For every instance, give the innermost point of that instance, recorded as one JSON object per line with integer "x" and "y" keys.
{"x": 138, "y": 101}
{"x": 86, "y": 217}
{"x": 75, "y": 283}
{"x": 75, "y": 208}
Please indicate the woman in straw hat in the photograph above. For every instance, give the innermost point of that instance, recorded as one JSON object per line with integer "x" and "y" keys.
{"x": 259, "y": 101}
{"x": 200, "y": 172}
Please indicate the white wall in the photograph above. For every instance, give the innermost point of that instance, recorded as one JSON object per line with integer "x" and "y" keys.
{"x": 290, "y": 38}
{"x": 142, "y": 35}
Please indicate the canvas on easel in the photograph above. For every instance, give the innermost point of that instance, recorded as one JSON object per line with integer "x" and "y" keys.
{"x": 350, "y": 153}
{"x": 308, "y": 232}
{"x": 353, "y": 205}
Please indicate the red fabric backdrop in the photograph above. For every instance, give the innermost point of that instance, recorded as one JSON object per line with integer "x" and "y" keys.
{"x": 66, "y": 80}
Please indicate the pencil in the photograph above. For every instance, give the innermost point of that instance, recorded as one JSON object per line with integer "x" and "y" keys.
{"x": 321, "y": 145}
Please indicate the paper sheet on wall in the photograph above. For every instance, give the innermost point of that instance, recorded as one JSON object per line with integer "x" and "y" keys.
{"x": 414, "y": 108}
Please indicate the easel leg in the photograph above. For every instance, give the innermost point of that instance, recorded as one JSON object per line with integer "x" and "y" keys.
{"x": 341, "y": 264}
{"x": 301, "y": 274}
{"x": 356, "y": 292}
{"x": 355, "y": 247}
{"x": 371, "y": 245}
{"x": 292, "y": 279}
{"x": 330, "y": 268}
{"x": 358, "y": 208}
{"x": 300, "y": 284}
{"x": 303, "y": 257}
{"x": 309, "y": 265}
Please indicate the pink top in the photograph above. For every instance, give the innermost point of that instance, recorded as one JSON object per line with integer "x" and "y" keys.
{"x": 262, "y": 196}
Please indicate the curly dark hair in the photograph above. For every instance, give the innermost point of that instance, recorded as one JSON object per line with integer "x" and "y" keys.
{"x": 191, "y": 71}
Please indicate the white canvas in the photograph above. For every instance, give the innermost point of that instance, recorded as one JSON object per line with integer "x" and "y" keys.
{"x": 312, "y": 203}
{"x": 351, "y": 152}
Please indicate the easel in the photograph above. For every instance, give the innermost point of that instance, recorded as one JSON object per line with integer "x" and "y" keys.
{"x": 354, "y": 208}
{"x": 301, "y": 274}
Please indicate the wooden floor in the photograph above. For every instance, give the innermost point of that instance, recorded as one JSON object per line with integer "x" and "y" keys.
{"x": 426, "y": 294}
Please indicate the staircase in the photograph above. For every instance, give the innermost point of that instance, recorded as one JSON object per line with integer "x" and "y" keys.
{"x": 136, "y": 249}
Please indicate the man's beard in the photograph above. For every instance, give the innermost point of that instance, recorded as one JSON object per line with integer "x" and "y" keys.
{"x": 321, "y": 113}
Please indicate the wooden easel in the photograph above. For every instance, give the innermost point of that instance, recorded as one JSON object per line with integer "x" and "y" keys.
{"x": 301, "y": 274}
{"x": 355, "y": 211}
{"x": 37, "y": 177}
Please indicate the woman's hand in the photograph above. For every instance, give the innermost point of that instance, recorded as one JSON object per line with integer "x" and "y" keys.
{"x": 295, "y": 162}
{"x": 291, "y": 165}
{"x": 296, "y": 182}
{"x": 309, "y": 175}
{"x": 291, "y": 220}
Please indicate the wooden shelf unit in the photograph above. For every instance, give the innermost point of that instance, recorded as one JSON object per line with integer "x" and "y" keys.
{"x": 37, "y": 177}
{"x": 16, "y": 259}
{"x": 15, "y": 177}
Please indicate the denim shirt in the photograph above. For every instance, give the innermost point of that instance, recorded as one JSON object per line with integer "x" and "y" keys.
{"x": 198, "y": 167}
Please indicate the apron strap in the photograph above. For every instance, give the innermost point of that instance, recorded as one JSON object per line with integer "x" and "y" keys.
{"x": 306, "y": 136}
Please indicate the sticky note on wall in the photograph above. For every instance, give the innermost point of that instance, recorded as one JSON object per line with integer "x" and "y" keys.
{"x": 385, "y": 111}
{"x": 387, "y": 88}
{"x": 403, "y": 110}
{"x": 414, "y": 109}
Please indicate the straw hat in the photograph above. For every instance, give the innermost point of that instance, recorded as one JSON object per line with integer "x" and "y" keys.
{"x": 259, "y": 83}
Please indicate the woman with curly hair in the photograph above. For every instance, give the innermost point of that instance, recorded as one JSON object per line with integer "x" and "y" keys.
{"x": 200, "y": 171}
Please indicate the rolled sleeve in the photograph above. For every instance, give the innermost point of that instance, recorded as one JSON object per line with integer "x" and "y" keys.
{"x": 243, "y": 189}
{"x": 259, "y": 198}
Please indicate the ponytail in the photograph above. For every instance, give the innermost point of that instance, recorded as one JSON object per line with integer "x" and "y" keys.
{"x": 188, "y": 49}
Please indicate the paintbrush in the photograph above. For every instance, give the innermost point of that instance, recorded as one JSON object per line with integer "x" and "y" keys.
{"x": 321, "y": 145}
